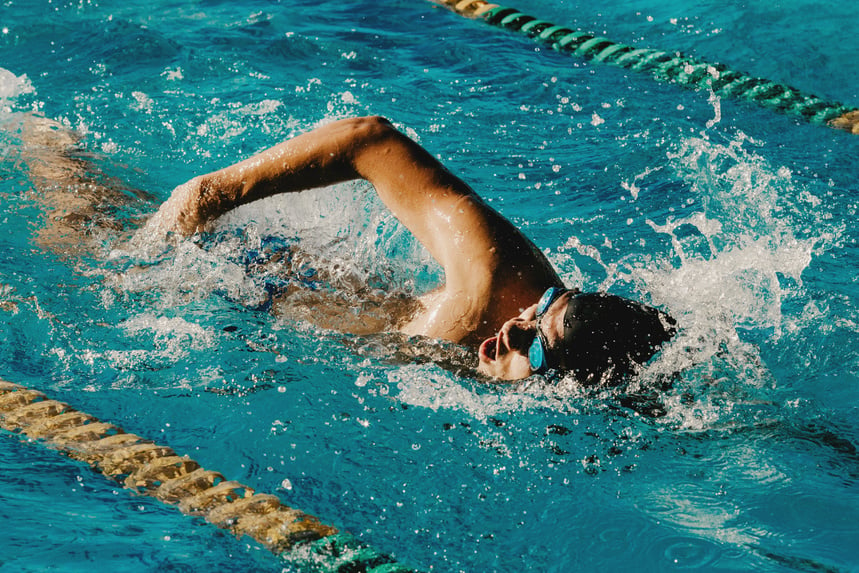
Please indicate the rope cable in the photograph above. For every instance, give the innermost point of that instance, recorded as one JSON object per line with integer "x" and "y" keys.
{"x": 158, "y": 471}
{"x": 672, "y": 67}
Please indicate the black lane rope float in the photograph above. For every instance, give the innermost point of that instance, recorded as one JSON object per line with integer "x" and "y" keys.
{"x": 666, "y": 66}
{"x": 159, "y": 472}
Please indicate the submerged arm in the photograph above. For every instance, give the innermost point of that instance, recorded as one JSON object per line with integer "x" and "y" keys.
{"x": 79, "y": 201}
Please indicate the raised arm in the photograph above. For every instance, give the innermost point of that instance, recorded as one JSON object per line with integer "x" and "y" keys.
{"x": 407, "y": 178}
{"x": 483, "y": 255}
{"x": 429, "y": 200}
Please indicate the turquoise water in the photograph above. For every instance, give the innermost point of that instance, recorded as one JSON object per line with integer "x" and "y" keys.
{"x": 739, "y": 222}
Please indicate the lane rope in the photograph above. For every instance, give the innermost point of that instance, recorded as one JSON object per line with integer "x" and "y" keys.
{"x": 665, "y": 66}
{"x": 158, "y": 471}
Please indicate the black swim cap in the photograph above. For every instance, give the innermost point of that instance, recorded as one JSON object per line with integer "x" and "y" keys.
{"x": 606, "y": 336}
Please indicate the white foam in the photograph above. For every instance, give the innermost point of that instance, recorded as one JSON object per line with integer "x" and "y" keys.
{"x": 343, "y": 231}
{"x": 429, "y": 386}
{"x": 192, "y": 273}
{"x": 153, "y": 341}
{"x": 744, "y": 256}
{"x": 732, "y": 264}
{"x": 12, "y": 86}
{"x": 171, "y": 331}
{"x": 236, "y": 119}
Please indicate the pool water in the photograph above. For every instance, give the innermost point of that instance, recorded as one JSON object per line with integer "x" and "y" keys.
{"x": 738, "y": 221}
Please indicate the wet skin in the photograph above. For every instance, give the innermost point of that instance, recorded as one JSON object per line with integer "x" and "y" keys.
{"x": 505, "y": 356}
{"x": 492, "y": 271}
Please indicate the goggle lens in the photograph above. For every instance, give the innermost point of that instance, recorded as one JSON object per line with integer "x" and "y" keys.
{"x": 537, "y": 351}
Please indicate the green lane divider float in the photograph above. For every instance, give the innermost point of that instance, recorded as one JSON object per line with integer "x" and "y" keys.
{"x": 159, "y": 472}
{"x": 666, "y": 66}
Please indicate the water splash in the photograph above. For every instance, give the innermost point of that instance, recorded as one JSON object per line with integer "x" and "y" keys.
{"x": 743, "y": 253}
{"x": 736, "y": 267}
{"x": 728, "y": 264}
{"x": 11, "y": 88}
{"x": 161, "y": 341}
{"x": 353, "y": 244}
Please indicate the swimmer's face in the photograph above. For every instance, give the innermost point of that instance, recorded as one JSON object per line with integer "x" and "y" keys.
{"x": 505, "y": 356}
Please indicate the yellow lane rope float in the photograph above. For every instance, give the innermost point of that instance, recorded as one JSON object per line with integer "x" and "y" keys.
{"x": 159, "y": 472}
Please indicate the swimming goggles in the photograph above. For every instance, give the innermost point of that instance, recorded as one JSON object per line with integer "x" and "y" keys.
{"x": 538, "y": 351}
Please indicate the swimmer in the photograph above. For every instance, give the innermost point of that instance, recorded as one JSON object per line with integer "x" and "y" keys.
{"x": 500, "y": 296}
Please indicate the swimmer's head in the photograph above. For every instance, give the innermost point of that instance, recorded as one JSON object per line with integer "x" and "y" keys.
{"x": 599, "y": 338}
{"x": 606, "y": 337}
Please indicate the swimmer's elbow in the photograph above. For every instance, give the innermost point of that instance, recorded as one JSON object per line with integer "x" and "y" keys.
{"x": 369, "y": 129}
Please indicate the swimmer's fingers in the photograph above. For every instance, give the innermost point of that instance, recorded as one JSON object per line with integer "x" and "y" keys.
{"x": 177, "y": 218}
{"x": 180, "y": 214}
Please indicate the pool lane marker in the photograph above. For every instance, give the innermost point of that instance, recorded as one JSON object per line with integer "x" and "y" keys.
{"x": 159, "y": 472}
{"x": 670, "y": 67}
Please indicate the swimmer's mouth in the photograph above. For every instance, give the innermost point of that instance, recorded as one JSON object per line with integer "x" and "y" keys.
{"x": 485, "y": 353}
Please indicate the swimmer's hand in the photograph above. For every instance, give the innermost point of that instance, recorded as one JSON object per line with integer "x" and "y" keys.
{"x": 181, "y": 215}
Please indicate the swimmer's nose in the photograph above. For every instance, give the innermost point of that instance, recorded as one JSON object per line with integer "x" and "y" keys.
{"x": 518, "y": 333}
